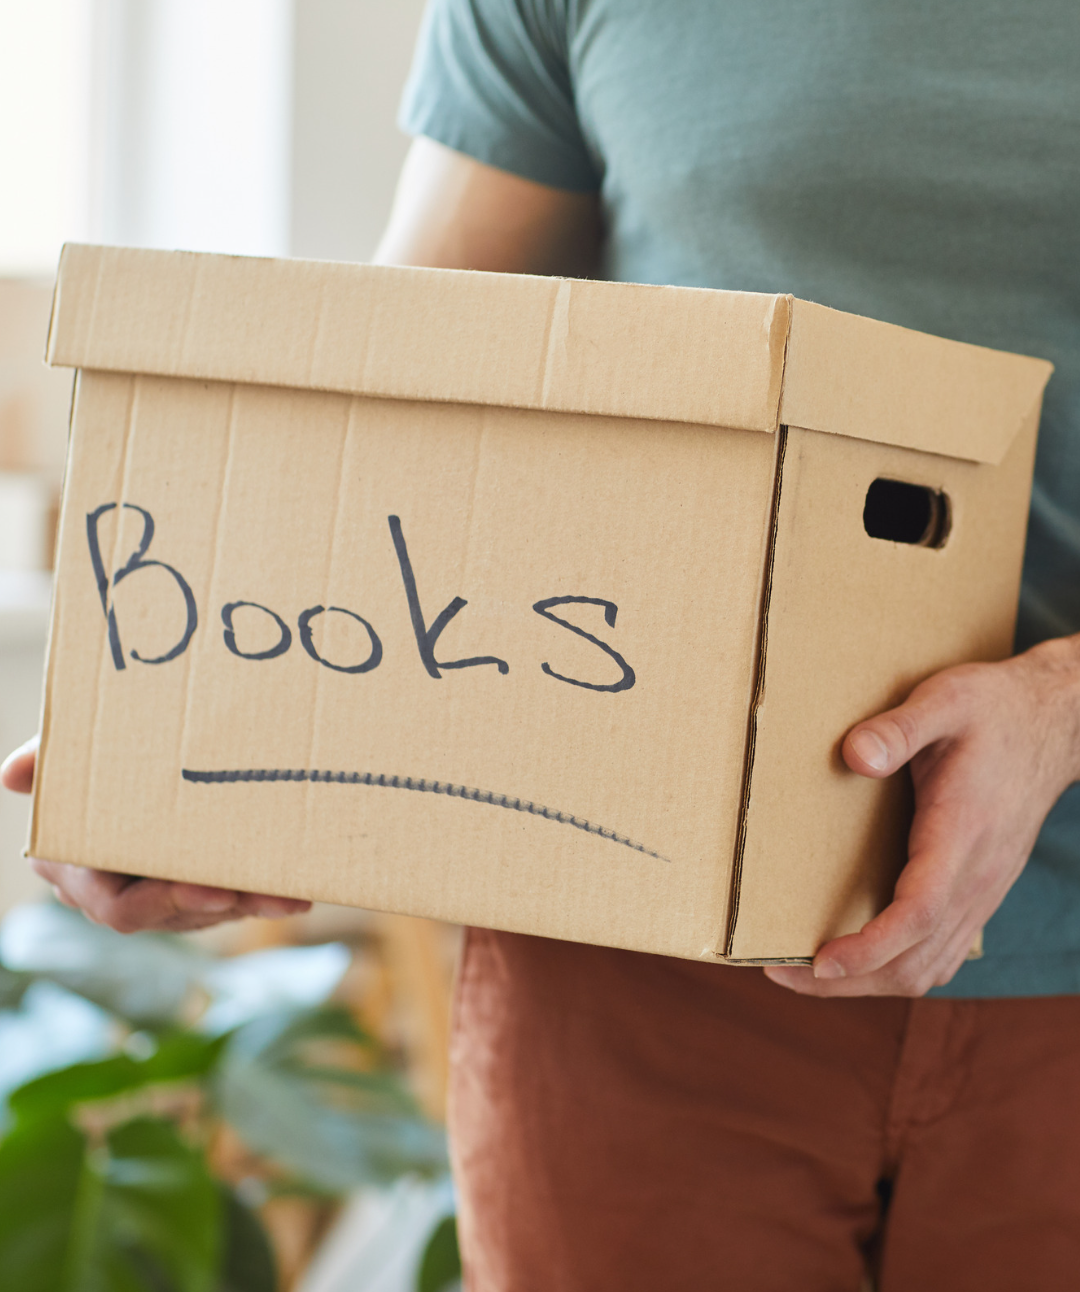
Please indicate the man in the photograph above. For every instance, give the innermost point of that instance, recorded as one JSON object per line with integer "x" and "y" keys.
{"x": 632, "y": 1122}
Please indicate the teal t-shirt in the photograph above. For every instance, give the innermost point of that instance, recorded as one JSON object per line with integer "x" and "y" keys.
{"x": 915, "y": 161}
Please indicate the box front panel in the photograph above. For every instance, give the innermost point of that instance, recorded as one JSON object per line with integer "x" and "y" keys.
{"x": 483, "y": 664}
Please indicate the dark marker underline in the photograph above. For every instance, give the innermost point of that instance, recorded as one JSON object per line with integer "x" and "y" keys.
{"x": 382, "y": 781}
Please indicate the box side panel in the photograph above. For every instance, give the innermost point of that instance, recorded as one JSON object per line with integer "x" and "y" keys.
{"x": 486, "y": 665}
{"x": 855, "y": 622}
{"x": 620, "y": 349}
{"x": 44, "y": 721}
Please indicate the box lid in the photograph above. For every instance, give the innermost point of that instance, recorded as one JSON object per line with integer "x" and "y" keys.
{"x": 874, "y": 381}
{"x": 740, "y": 360}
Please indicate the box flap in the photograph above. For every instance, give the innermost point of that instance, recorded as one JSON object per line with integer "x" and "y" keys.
{"x": 875, "y": 381}
{"x": 670, "y": 353}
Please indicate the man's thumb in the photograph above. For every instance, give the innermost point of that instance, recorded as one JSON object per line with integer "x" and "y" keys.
{"x": 883, "y": 744}
{"x": 17, "y": 771}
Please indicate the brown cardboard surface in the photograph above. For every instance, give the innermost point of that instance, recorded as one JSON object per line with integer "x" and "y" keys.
{"x": 282, "y": 498}
{"x": 858, "y": 377}
{"x": 816, "y": 833}
{"x": 483, "y": 597}
{"x": 672, "y": 353}
{"x": 619, "y": 349}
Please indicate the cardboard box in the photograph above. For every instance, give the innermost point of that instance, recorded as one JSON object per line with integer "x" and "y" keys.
{"x": 520, "y": 602}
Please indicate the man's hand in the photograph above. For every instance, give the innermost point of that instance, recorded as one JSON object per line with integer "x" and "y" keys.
{"x": 129, "y": 904}
{"x": 991, "y": 748}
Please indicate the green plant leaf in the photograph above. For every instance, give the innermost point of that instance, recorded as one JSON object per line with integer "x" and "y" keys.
{"x": 139, "y": 1213}
{"x": 440, "y": 1265}
{"x": 160, "y": 1207}
{"x": 248, "y": 1264}
{"x": 40, "y": 1170}
{"x": 146, "y": 978}
{"x": 287, "y": 1029}
{"x": 52, "y": 1028}
{"x": 333, "y": 1126}
{"x": 150, "y": 979}
{"x": 178, "y": 1056}
{"x": 244, "y": 987}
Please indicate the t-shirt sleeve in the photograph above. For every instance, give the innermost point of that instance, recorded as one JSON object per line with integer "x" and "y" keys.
{"x": 491, "y": 78}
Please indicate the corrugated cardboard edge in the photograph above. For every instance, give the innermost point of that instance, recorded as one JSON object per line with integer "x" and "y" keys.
{"x": 677, "y": 354}
{"x": 724, "y": 951}
{"x": 854, "y": 376}
{"x": 44, "y": 709}
{"x": 763, "y": 961}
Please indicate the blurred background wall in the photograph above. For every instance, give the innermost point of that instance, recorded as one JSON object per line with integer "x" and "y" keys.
{"x": 262, "y": 127}
{"x": 259, "y": 127}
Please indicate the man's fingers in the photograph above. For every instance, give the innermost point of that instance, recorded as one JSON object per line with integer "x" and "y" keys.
{"x": 930, "y": 961}
{"x": 883, "y": 744}
{"x": 159, "y": 904}
{"x": 93, "y": 891}
{"x": 129, "y": 905}
{"x": 800, "y": 979}
{"x": 860, "y": 964}
{"x": 912, "y": 974}
{"x": 17, "y": 769}
{"x": 906, "y": 922}
{"x": 272, "y": 908}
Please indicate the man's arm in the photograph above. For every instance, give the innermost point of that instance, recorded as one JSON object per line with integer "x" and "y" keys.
{"x": 450, "y": 212}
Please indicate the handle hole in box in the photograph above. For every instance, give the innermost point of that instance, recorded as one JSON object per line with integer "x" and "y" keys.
{"x": 906, "y": 513}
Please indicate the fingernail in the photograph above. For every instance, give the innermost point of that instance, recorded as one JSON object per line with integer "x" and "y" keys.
{"x": 212, "y": 900}
{"x": 272, "y": 908}
{"x": 871, "y": 749}
{"x": 828, "y": 969}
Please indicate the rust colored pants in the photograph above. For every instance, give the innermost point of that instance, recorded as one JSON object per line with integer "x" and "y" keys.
{"x": 634, "y": 1123}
